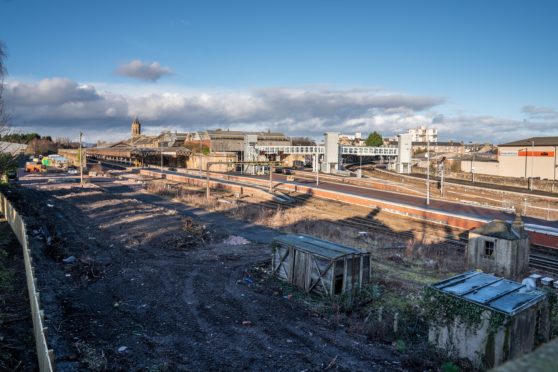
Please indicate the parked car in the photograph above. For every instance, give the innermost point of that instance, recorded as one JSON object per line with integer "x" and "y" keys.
{"x": 73, "y": 171}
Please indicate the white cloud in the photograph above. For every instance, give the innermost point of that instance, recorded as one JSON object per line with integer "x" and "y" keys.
{"x": 143, "y": 71}
{"x": 541, "y": 113}
{"x": 50, "y": 91}
{"x": 61, "y": 106}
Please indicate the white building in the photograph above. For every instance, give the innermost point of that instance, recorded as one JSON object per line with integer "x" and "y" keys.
{"x": 424, "y": 134}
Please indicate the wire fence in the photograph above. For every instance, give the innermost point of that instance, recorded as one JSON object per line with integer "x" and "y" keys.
{"x": 44, "y": 354}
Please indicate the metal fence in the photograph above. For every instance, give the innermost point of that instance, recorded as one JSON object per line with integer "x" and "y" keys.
{"x": 44, "y": 354}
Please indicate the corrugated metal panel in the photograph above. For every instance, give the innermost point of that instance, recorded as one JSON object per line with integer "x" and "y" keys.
{"x": 317, "y": 246}
{"x": 491, "y": 291}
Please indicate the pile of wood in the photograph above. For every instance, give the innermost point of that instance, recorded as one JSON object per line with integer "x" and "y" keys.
{"x": 192, "y": 235}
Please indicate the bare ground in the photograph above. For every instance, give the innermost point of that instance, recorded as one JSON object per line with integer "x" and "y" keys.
{"x": 17, "y": 348}
{"x": 153, "y": 290}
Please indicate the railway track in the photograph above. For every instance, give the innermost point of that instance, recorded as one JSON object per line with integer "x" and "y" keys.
{"x": 359, "y": 223}
{"x": 544, "y": 263}
{"x": 369, "y": 225}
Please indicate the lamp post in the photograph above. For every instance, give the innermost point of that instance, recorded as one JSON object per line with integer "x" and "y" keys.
{"x": 532, "y": 164}
{"x": 319, "y": 163}
{"x": 270, "y": 179}
{"x": 360, "y": 168}
{"x": 161, "y": 151}
{"x": 428, "y": 173}
{"x": 472, "y": 162}
{"x": 80, "y": 160}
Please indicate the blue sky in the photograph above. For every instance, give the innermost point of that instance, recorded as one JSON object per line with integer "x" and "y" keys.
{"x": 486, "y": 66}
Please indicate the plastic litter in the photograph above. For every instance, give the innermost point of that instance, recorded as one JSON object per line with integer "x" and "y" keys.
{"x": 69, "y": 260}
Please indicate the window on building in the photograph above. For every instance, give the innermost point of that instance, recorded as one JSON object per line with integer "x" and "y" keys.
{"x": 488, "y": 248}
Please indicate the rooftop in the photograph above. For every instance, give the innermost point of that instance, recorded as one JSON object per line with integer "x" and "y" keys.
{"x": 495, "y": 293}
{"x": 500, "y": 229}
{"x": 318, "y": 247}
{"x": 537, "y": 141}
{"x": 238, "y": 133}
{"x": 12, "y": 148}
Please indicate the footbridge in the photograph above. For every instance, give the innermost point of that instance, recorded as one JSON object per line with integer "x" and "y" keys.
{"x": 329, "y": 156}
{"x": 318, "y": 150}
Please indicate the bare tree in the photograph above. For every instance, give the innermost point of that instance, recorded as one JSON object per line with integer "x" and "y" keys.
{"x": 63, "y": 142}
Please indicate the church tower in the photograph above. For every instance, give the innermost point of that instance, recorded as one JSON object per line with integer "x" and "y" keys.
{"x": 136, "y": 128}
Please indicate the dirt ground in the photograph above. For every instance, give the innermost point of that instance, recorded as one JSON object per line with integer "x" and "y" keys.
{"x": 17, "y": 347}
{"x": 149, "y": 284}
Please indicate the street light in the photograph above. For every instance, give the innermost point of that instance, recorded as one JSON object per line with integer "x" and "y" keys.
{"x": 532, "y": 165}
{"x": 428, "y": 173}
{"x": 161, "y": 151}
{"x": 319, "y": 163}
{"x": 472, "y": 162}
{"x": 81, "y": 160}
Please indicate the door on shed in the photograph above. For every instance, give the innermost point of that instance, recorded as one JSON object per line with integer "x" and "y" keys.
{"x": 300, "y": 269}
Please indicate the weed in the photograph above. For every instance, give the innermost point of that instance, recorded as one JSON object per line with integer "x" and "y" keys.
{"x": 400, "y": 346}
{"x": 449, "y": 367}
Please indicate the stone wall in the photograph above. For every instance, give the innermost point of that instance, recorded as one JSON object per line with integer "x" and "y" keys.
{"x": 539, "y": 185}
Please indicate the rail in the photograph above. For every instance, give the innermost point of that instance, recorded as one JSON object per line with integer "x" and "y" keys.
{"x": 45, "y": 355}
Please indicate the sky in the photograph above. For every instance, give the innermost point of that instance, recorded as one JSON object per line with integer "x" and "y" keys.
{"x": 475, "y": 70}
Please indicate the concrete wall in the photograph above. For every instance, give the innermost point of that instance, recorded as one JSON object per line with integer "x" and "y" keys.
{"x": 510, "y": 258}
{"x": 481, "y": 167}
{"x": 524, "y": 162}
{"x": 540, "y": 185}
{"x": 194, "y": 160}
{"x": 487, "y": 348}
{"x": 331, "y": 156}
{"x": 71, "y": 154}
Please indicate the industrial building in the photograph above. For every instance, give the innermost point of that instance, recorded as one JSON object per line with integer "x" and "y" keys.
{"x": 534, "y": 157}
{"x": 486, "y": 319}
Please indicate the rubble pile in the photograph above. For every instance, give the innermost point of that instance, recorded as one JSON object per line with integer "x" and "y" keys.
{"x": 192, "y": 235}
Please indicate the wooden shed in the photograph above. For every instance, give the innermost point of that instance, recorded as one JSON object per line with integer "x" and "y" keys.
{"x": 318, "y": 265}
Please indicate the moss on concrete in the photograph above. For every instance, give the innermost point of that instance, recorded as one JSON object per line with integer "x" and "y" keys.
{"x": 542, "y": 359}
